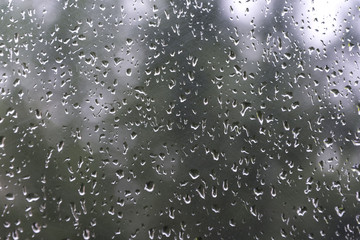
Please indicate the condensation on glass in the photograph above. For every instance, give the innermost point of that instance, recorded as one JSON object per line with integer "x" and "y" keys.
{"x": 175, "y": 119}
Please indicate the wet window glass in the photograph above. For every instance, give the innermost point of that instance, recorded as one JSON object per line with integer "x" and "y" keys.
{"x": 173, "y": 119}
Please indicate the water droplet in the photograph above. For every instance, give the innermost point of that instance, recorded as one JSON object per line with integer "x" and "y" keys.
{"x": 151, "y": 233}
{"x": 340, "y": 211}
{"x": 120, "y": 174}
{"x": 258, "y": 191}
{"x": 201, "y": 191}
{"x": 335, "y": 92}
{"x": 129, "y": 41}
{"x": 133, "y": 135}
{"x": 244, "y": 107}
{"x": 32, "y": 197}
{"x": 215, "y": 208}
{"x": 191, "y": 76}
{"x": 260, "y": 117}
{"x": 237, "y": 69}
{"x": 149, "y": 186}
{"x": 301, "y": 211}
{"x": 16, "y": 82}
{"x": 328, "y": 142}
{"x": 2, "y": 141}
{"x": 356, "y": 142}
{"x": 86, "y": 234}
{"x": 10, "y": 196}
{"x": 36, "y": 227}
{"x": 358, "y": 219}
{"x": 356, "y": 169}
{"x": 81, "y": 190}
{"x": 194, "y": 173}
{"x": 273, "y": 191}
{"x": 140, "y": 89}
{"x": 187, "y": 199}
{"x": 232, "y": 55}
{"x": 117, "y": 60}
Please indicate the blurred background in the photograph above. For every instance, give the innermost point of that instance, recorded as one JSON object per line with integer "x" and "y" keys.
{"x": 171, "y": 119}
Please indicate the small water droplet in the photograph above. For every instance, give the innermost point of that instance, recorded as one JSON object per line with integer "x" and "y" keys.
{"x": 133, "y": 135}
{"x": 10, "y": 196}
{"x": 120, "y": 174}
{"x": 140, "y": 89}
{"x": 81, "y": 190}
{"x": 36, "y": 227}
{"x": 328, "y": 142}
{"x": 187, "y": 199}
{"x": 258, "y": 191}
{"x": 358, "y": 219}
{"x": 32, "y": 197}
{"x": 301, "y": 211}
{"x": 151, "y": 233}
{"x": 244, "y": 107}
{"x": 129, "y": 41}
{"x": 356, "y": 168}
{"x": 86, "y": 234}
{"x": 149, "y": 186}
{"x": 232, "y": 55}
{"x": 201, "y": 191}
{"x": 340, "y": 211}
{"x": 194, "y": 173}
{"x": 260, "y": 117}
{"x": 273, "y": 191}
{"x": 358, "y": 196}
{"x": 38, "y": 113}
{"x": 117, "y": 61}
{"x": 335, "y": 92}
{"x": 191, "y": 76}
{"x": 60, "y": 146}
{"x": 16, "y": 82}
{"x": 215, "y": 208}
{"x": 356, "y": 142}
{"x": 2, "y": 141}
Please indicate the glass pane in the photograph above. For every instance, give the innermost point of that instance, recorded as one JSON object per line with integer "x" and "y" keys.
{"x": 179, "y": 119}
